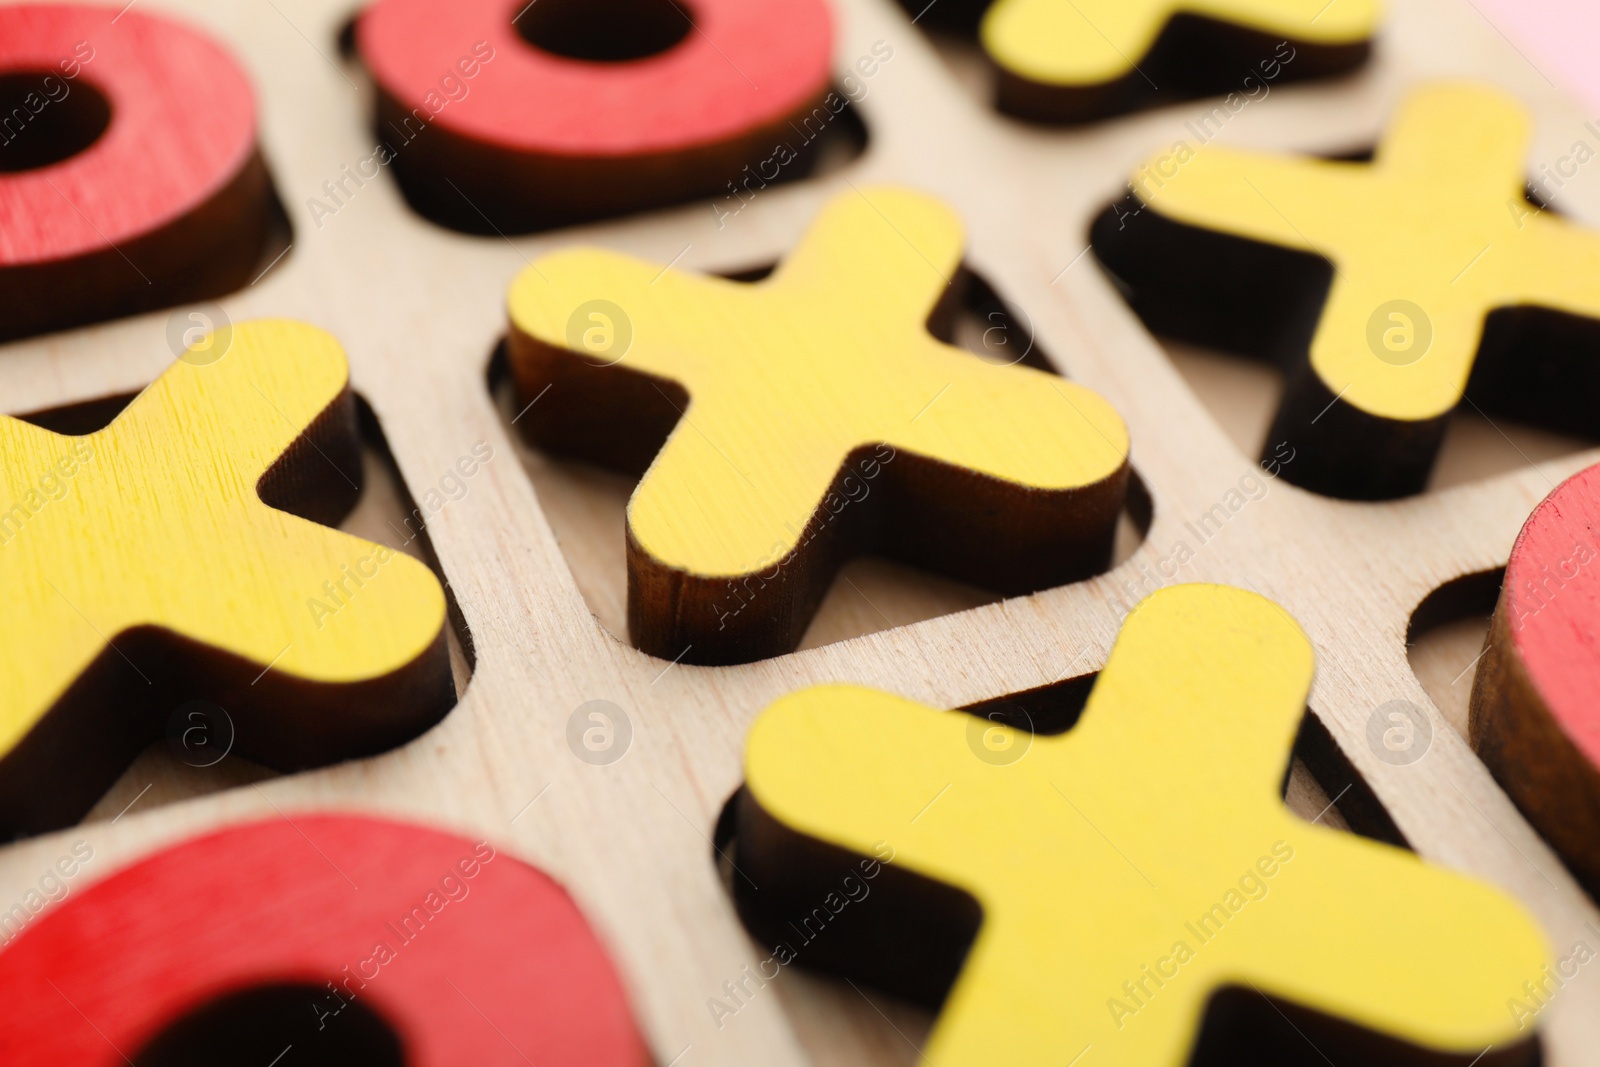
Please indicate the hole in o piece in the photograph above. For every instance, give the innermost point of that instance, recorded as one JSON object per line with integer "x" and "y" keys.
{"x": 45, "y": 119}
{"x": 254, "y": 1025}
{"x": 604, "y": 31}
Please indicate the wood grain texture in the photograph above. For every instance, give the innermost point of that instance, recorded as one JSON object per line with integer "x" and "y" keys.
{"x": 606, "y": 138}
{"x": 149, "y": 563}
{"x": 168, "y": 205}
{"x": 796, "y": 401}
{"x": 420, "y": 311}
{"x": 1145, "y": 846}
{"x": 1060, "y": 61}
{"x": 1424, "y": 243}
{"x": 466, "y": 955}
{"x": 1534, "y": 719}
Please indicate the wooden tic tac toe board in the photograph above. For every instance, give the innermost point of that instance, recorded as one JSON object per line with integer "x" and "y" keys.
{"x": 353, "y": 714}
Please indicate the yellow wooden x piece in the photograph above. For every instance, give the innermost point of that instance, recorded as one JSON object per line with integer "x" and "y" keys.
{"x": 1150, "y": 840}
{"x": 1086, "y": 42}
{"x": 1437, "y": 219}
{"x": 155, "y": 521}
{"x": 787, "y": 376}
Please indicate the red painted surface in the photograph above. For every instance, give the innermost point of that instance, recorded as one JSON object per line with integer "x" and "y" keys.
{"x": 502, "y": 959}
{"x": 746, "y": 63}
{"x": 182, "y": 126}
{"x": 1553, "y": 606}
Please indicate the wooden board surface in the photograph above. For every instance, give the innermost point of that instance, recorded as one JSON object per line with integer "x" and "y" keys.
{"x": 531, "y": 549}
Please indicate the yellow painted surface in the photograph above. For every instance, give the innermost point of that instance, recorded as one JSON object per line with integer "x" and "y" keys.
{"x": 1438, "y": 219}
{"x": 1071, "y": 43}
{"x": 155, "y": 521}
{"x": 788, "y": 375}
{"x": 1098, "y": 852}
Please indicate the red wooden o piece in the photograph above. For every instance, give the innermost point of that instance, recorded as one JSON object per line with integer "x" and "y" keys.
{"x": 481, "y": 123}
{"x": 470, "y": 957}
{"x": 1536, "y": 699}
{"x": 168, "y": 204}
